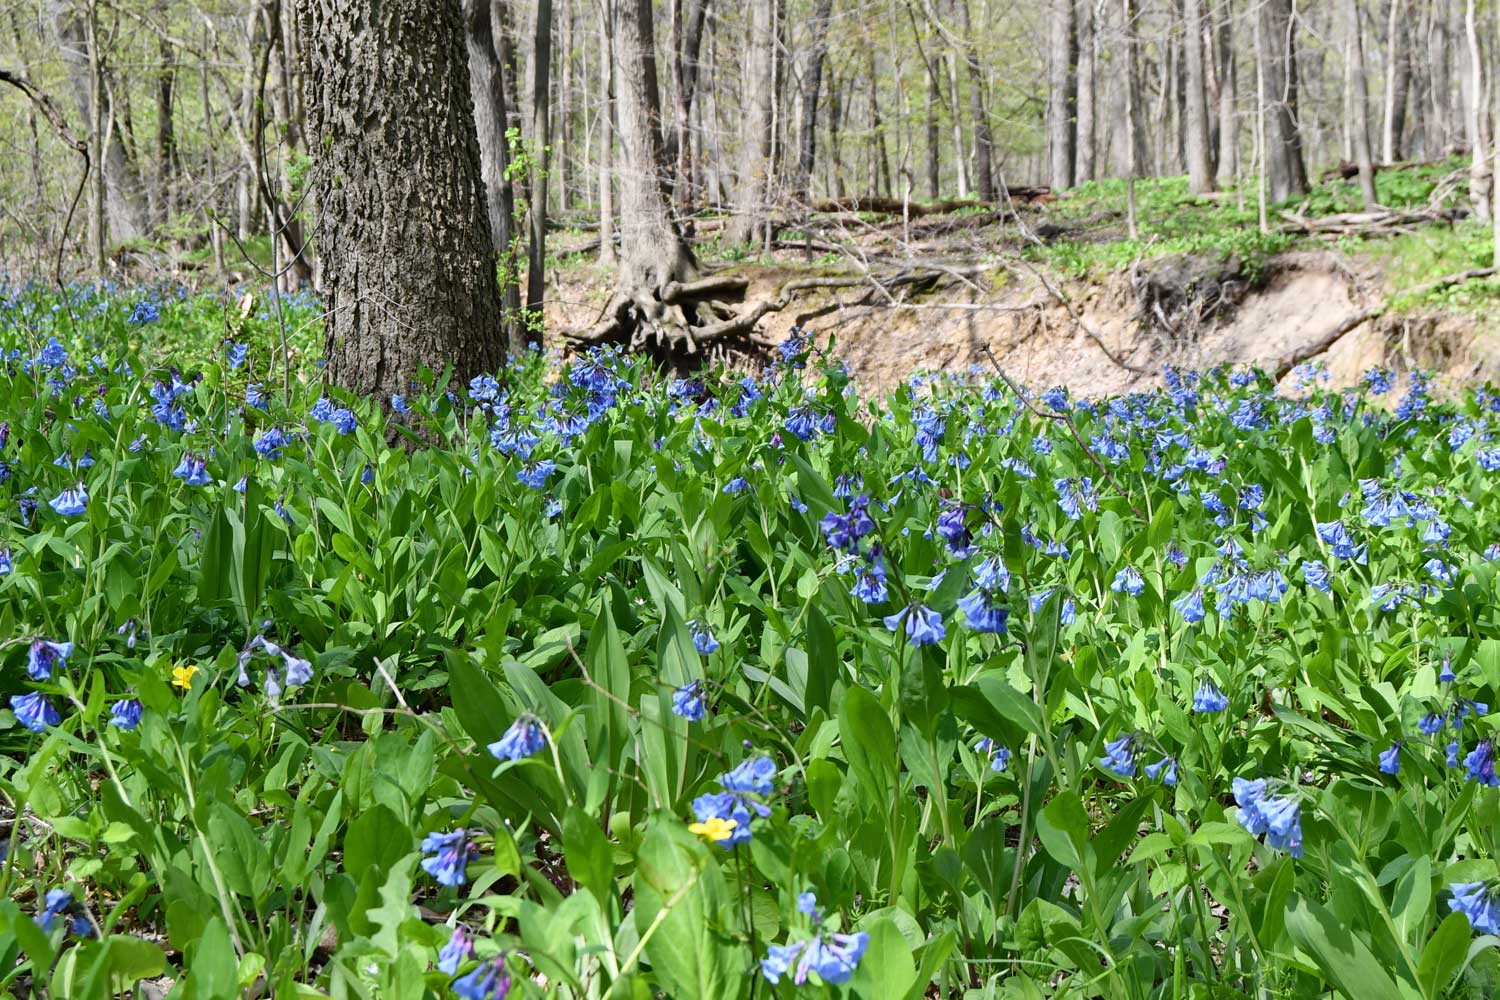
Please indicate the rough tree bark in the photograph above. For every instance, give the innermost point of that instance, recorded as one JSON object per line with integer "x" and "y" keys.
{"x": 1199, "y": 152}
{"x": 487, "y": 88}
{"x": 1474, "y": 120}
{"x": 1397, "y": 78}
{"x": 606, "y": 137}
{"x": 541, "y": 154}
{"x": 812, "y": 83}
{"x": 984, "y": 147}
{"x": 687, "y": 44}
{"x": 1285, "y": 170}
{"x": 1062, "y": 92}
{"x": 1229, "y": 131}
{"x": 753, "y": 186}
{"x": 1088, "y": 92}
{"x": 403, "y": 232}
{"x": 1361, "y": 107}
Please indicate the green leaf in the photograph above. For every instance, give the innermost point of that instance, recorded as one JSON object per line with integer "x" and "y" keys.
{"x": 1344, "y": 957}
{"x": 681, "y": 903}
{"x": 1063, "y": 827}
{"x": 1443, "y": 954}
{"x": 869, "y": 743}
{"x": 887, "y": 971}
{"x": 587, "y": 853}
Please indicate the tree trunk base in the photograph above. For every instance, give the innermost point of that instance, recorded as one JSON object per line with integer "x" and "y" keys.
{"x": 681, "y": 320}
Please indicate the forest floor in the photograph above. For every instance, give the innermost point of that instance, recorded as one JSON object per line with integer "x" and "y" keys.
{"x": 1068, "y": 297}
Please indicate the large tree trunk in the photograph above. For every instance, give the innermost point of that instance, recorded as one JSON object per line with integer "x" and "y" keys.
{"x": 812, "y": 82}
{"x": 1397, "y": 77}
{"x": 753, "y": 187}
{"x": 120, "y": 210}
{"x": 1062, "y": 92}
{"x": 1229, "y": 130}
{"x": 984, "y": 147}
{"x": 403, "y": 231}
{"x": 541, "y": 145}
{"x": 1199, "y": 152}
{"x": 1361, "y": 106}
{"x": 1285, "y": 170}
{"x": 487, "y": 87}
{"x": 1474, "y": 120}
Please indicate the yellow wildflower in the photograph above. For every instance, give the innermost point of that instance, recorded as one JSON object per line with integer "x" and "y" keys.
{"x": 714, "y": 828}
{"x": 182, "y": 675}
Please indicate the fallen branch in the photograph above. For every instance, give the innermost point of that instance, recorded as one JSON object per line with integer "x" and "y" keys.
{"x": 1360, "y": 223}
{"x": 1350, "y": 323}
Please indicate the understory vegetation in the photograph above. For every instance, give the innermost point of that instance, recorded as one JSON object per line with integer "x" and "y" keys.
{"x": 583, "y": 681}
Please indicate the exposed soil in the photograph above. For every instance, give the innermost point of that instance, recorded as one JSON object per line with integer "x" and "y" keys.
{"x": 1191, "y": 312}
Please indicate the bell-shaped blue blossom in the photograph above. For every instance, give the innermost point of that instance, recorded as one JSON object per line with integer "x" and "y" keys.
{"x": 1119, "y": 756}
{"x": 458, "y": 950}
{"x": 869, "y": 585}
{"x": 125, "y": 714}
{"x": 56, "y": 903}
{"x": 6, "y": 563}
{"x": 703, "y": 637}
{"x": 1165, "y": 769}
{"x": 448, "y": 856}
{"x": 999, "y": 754}
{"x": 1280, "y": 819}
{"x": 1316, "y": 575}
{"x": 982, "y": 613}
{"x": 689, "y": 703}
{"x": 269, "y": 443}
{"x": 736, "y": 485}
{"x": 192, "y": 470}
{"x": 924, "y": 626}
{"x": 1335, "y": 534}
{"x": 71, "y": 502}
{"x": 535, "y": 476}
{"x": 43, "y": 656}
{"x": 1479, "y": 902}
{"x": 1208, "y": 697}
{"x": 1390, "y": 760}
{"x": 488, "y": 981}
{"x": 1479, "y": 763}
{"x": 524, "y": 738}
{"x": 1190, "y": 606}
{"x": 398, "y": 403}
{"x": 953, "y": 528}
{"x": 1453, "y": 750}
{"x": 1445, "y": 672}
{"x": 1128, "y": 580}
{"x": 256, "y": 398}
{"x": 36, "y": 713}
{"x": 1431, "y": 724}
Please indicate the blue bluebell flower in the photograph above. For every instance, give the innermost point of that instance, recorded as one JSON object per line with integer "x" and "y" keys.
{"x": 535, "y": 476}
{"x": 1480, "y": 764}
{"x": 269, "y": 443}
{"x": 43, "y": 655}
{"x": 71, "y": 502}
{"x": 322, "y": 410}
{"x": 982, "y": 613}
{"x": 192, "y": 470}
{"x": 524, "y": 738}
{"x": 1480, "y": 902}
{"x": 1166, "y": 769}
{"x": 703, "y": 637}
{"x": 924, "y": 626}
{"x": 807, "y": 904}
{"x": 688, "y": 701}
{"x": 953, "y": 528}
{"x": 1336, "y": 536}
{"x": 870, "y": 583}
{"x": 736, "y": 485}
{"x": 1128, "y": 580}
{"x": 344, "y": 421}
{"x": 1316, "y": 575}
{"x": 1190, "y": 606}
{"x": 236, "y": 354}
{"x": 449, "y": 855}
{"x": 398, "y": 403}
{"x": 1445, "y": 672}
{"x": 255, "y": 397}
{"x": 1279, "y": 819}
{"x": 488, "y": 981}
{"x": 6, "y": 563}
{"x": 1119, "y": 756}
{"x": 1208, "y": 697}
{"x": 125, "y": 714}
{"x": 1390, "y": 760}
{"x": 998, "y": 754}
{"x": 1431, "y": 724}
{"x": 458, "y": 950}
{"x": 56, "y": 903}
{"x": 36, "y": 713}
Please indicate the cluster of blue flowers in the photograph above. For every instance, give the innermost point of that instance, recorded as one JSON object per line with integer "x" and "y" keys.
{"x": 745, "y": 789}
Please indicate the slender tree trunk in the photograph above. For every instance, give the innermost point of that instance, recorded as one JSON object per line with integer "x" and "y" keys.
{"x": 1361, "y": 107}
{"x": 1132, "y": 93}
{"x": 562, "y": 127}
{"x": 1199, "y": 152}
{"x": 1062, "y": 91}
{"x": 1229, "y": 129}
{"x": 1397, "y": 75}
{"x": 607, "y": 137}
{"x": 753, "y": 187}
{"x": 1479, "y": 153}
{"x": 984, "y": 147}
{"x": 1088, "y": 92}
{"x": 687, "y": 44}
{"x": 812, "y": 81}
{"x": 934, "y": 143}
{"x": 166, "y": 134}
{"x": 960, "y": 159}
{"x": 541, "y": 155}
{"x": 1286, "y": 172}
{"x": 404, "y": 234}
{"x": 487, "y": 88}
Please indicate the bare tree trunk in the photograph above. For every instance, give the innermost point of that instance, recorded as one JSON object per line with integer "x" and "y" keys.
{"x": 166, "y": 135}
{"x": 607, "y": 137}
{"x": 487, "y": 87}
{"x": 1229, "y": 130}
{"x": 1127, "y": 8}
{"x": 1088, "y": 92}
{"x": 753, "y": 186}
{"x": 1285, "y": 171}
{"x": 1397, "y": 75}
{"x": 403, "y": 233}
{"x": 984, "y": 151}
{"x": 1479, "y": 154}
{"x": 934, "y": 147}
{"x": 1199, "y": 154}
{"x": 960, "y": 160}
{"x": 1062, "y": 90}
{"x": 541, "y": 143}
{"x": 812, "y": 81}
{"x": 562, "y": 128}
{"x": 1361, "y": 107}
{"x": 685, "y": 73}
